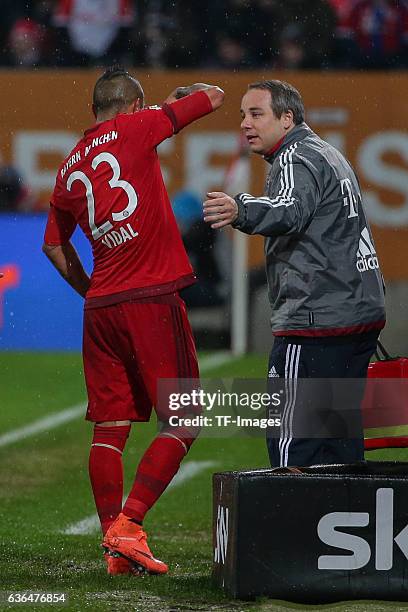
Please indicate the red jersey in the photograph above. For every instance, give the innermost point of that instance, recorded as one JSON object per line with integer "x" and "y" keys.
{"x": 112, "y": 187}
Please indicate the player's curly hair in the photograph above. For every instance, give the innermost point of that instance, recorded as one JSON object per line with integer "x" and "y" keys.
{"x": 115, "y": 90}
{"x": 284, "y": 97}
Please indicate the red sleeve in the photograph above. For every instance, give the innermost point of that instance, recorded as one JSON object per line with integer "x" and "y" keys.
{"x": 188, "y": 109}
{"x": 60, "y": 227}
{"x": 150, "y": 125}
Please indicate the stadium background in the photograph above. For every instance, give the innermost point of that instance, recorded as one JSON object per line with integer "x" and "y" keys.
{"x": 364, "y": 114}
{"x": 355, "y": 97}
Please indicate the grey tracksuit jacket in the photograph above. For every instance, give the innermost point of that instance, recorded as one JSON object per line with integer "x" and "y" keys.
{"x": 323, "y": 273}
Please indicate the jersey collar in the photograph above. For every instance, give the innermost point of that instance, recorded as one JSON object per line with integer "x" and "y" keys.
{"x": 92, "y": 129}
{"x": 297, "y": 133}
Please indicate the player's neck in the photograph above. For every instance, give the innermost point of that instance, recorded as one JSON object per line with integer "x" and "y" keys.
{"x": 104, "y": 117}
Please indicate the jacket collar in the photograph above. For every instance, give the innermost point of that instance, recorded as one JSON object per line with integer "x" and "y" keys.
{"x": 297, "y": 133}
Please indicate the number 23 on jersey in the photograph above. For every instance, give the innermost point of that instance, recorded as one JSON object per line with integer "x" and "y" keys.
{"x": 114, "y": 238}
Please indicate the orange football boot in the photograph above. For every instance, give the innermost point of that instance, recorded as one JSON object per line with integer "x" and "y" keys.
{"x": 129, "y": 540}
{"x": 117, "y": 565}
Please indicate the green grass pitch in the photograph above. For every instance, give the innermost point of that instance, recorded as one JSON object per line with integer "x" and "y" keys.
{"x": 44, "y": 488}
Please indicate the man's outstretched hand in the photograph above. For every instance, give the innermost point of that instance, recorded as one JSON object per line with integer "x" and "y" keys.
{"x": 220, "y": 209}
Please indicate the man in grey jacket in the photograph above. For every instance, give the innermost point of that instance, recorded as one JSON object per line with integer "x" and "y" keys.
{"x": 325, "y": 285}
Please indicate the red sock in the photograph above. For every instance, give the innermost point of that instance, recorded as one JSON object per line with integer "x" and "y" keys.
{"x": 156, "y": 469}
{"x": 106, "y": 471}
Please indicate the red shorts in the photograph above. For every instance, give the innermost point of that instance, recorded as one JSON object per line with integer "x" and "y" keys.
{"x": 127, "y": 348}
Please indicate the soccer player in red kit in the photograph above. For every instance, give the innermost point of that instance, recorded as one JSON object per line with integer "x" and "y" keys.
{"x": 136, "y": 329}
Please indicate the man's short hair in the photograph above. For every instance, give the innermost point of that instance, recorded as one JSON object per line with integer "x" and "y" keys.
{"x": 284, "y": 98}
{"x": 115, "y": 90}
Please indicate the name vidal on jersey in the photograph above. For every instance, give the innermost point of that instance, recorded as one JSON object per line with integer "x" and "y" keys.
{"x": 115, "y": 238}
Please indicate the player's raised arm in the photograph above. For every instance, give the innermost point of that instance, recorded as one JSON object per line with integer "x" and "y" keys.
{"x": 214, "y": 93}
{"x": 187, "y": 104}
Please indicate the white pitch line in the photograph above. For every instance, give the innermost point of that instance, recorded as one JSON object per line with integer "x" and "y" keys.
{"x": 88, "y": 525}
{"x": 215, "y": 360}
{"x": 44, "y": 424}
{"x": 187, "y": 471}
{"x": 56, "y": 419}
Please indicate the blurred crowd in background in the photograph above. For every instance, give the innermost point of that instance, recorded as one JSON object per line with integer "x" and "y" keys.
{"x": 231, "y": 34}
{"x": 228, "y": 35}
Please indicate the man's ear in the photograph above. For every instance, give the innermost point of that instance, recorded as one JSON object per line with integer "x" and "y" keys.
{"x": 288, "y": 120}
{"x": 138, "y": 105}
{"x": 94, "y": 111}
